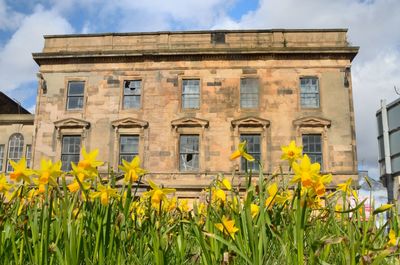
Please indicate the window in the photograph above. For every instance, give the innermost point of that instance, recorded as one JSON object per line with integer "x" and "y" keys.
{"x": 309, "y": 92}
{"x": 253, "y": 148}
{"x": 128, "y": 147}
{"x": 28, "y": 155}
{"x": 71, "y": 146}
{"x": 249, "y": 93}
{"x": 312, "y": 147}
{"x": 189, "y": 153}
{"x": 75, "y": 95}
{"x": 190, "y": 93}
{"x": 15, "y": 149}
{"x": 132, "y": 92}
{"x": 1, "y": 156}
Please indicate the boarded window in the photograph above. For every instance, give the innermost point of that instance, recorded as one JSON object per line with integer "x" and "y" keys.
{"x": 15, "y": 149}
{"x": 128, "y": 147}
{"x": 189, "y": 153}
{"x": 309, "y": 92}
{"x": 75, "y": 95}
{"x": 190, "y": 93}
{"x": 71, "y": 146}
{"x": 312, "y": 146}
{"x": 253, "y": 148}
{"x": 249, "y": 93}
{"x": 132, "y": 94}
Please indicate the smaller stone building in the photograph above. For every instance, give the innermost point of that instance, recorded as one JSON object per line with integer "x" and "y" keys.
{"x": 16, "y": 133}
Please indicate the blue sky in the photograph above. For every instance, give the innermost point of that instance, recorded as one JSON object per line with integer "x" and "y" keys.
{"x": 373, "y": 25}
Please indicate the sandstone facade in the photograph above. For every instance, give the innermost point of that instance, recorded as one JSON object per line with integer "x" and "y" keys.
{"x": 218, "y": 61}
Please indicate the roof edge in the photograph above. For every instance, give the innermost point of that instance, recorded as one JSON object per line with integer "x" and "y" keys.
{"x": 194, "y": 32}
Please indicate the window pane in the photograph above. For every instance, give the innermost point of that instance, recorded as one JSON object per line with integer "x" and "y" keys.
{"x": 131, "y": 102}
{"x": 253, "y": 148}
{"x": 191, "y": 93}
{"x": 312, "y": 146}
{"x": 249, "y": 92}
{"x": 15, "y": 148}
{"x": 189, "y": 152}
{"x": 128, "y": 147}
{"x": 75, "y": 103}
{"x": 70, "y": 150}
{"x": 28, "y": 155}
{"x": 1, "y": 156}
{"x": 76, "y": 88}
{"x": 309, "y": 92}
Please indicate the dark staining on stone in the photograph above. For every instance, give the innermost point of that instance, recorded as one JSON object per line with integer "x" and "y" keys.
{"x": 113, "y": 82}
{"x": 285, "y": 91}
{"x": 248, "y": 71}
{"x": 216, "y": 83}
{"x": 173, "y": 81}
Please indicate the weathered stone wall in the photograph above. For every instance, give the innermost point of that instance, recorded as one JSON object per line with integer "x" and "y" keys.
{"x": 279, "y": 101}
{"x": 11, "y": 124}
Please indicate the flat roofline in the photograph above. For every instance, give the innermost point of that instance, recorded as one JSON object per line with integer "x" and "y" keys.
{"x": 194, "y": 32}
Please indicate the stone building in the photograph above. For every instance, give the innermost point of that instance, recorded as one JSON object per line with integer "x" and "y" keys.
{"x": 16, "y": 130}
{"x": 184, "y": 100}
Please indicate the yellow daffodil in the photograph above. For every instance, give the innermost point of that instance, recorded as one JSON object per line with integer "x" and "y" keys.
{"x": 184, "y": 206}
{"x": 218, "y": 195}
{"x": 254, "y": 210}
{"x": 241, "y": 152}
{"x": 285, "y": 196}
{"x": 345, "y": 187}
{"x": 157, "y": 195}
{"x": 319, "y": 182}
{"x": 48, "y": 174}
{"x": 105, "y": 193}
{"x": 291, "y": 152}
{"x": 227, "y": 226}
{"x": 132, "y": 169}
{"x": 170, "y": 205}
{"x": 272, "y": 192}
{"x": 89, "y": 161}
{"x": 21, "y": 172}
{"x": 305, "y": 172}
{"x": 392, "y": 238}
{"x": 226, "y": 183}
{"x": 81, "y": 175}
{"x": 4, "y": 185}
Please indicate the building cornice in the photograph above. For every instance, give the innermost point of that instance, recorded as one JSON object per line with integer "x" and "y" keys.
{"x": 136, "y": 56}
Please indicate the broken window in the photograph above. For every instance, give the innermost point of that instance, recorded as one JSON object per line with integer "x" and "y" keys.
{"x": 75, "y": 95}
{"x": 189, "y": 153}
{"x": 253, "y": 148}
{"x": 190, "y": 93}
{"x": 312, "y": 146}
{"x": 132, "y": 93}
{"x": 309, "y": 92}
{"x": 71, "y": 146}
{"x": 128, "y": 147}
{"x": 249, "y": 93}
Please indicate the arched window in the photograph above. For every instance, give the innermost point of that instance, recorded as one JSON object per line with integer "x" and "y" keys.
{"x": 15, "y": 148}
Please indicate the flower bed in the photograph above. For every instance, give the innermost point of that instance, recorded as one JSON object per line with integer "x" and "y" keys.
{"x": 45, "y": 220}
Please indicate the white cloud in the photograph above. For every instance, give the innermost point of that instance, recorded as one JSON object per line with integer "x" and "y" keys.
{"x": 9, "y": 19}
{"x": 16, "y": 63}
